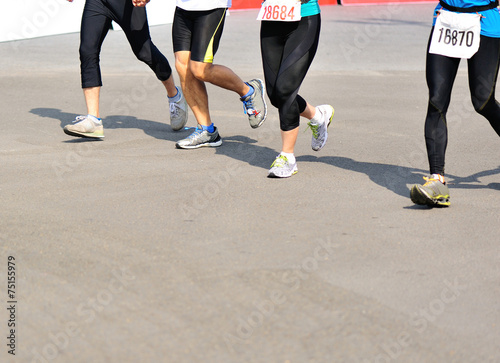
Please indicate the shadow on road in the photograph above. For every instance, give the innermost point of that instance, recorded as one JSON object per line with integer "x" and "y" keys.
{"x": 158, "y": 130}
{"x": 392, "y": 177}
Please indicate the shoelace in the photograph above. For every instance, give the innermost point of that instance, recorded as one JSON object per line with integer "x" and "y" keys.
{"x": 428, "y": 181}
{"x": 174, "y": 109}
{"x": 195, "y": 133}
{"x": 79, "y": 119}
{"x": 314, "y": 129}
{"x": 280, "y": 161}
{"x": 248, "y": 107}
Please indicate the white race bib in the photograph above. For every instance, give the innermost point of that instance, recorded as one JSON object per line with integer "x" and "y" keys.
{"x": 456, "y": 35}
{"x": 280, "y": 10}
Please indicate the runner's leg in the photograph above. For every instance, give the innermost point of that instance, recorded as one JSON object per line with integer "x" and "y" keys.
{"x": 440, "y": 74}
{"x": 207, "y": 31}
{"x": 194, "y": 90}
{"x": 134, "y": 22}
{"x": 483, "y": 73}
{"x": 94, "y": 28}
{"x": 286, "y": 60}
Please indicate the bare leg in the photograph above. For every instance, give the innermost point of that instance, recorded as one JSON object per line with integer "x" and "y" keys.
{"x": 289, "y": 139}
{"x": 91, "y": 95}
{"x": 169, "y": 85}
{"x": 309, "y": 112}
{"x": 194, "y": 90}
{"x": 220, "y": 76}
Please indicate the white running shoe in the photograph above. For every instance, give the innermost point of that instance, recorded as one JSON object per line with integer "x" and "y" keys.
{"x": 320, "y": 130}
{"x": 200, "y": 138}
{"x": 178, "y": 112}
{"x": 85, "y": 126}
{"x": 281, "y": 168}
{"x": 255, "y": 105}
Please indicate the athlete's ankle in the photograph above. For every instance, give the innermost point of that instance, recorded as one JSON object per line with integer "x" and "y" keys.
{"x": 439, "y": 177}
{"x": 210, "y": 128}
{"x": 250, "y": 92}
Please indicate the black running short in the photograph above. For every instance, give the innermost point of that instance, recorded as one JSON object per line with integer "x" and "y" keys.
{"x": 198, "y": 32}
{"x": 96, "y": 21}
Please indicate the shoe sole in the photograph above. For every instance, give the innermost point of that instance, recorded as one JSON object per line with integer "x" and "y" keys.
{"x": 179, "y": 127}
{"x": 206, "y": 144}
{"x": 262, "y": 93}
{"x": 272, "y": 175}
{"x": 327, "y": 126}
{"x": 85, "y": 135}
{"x": 420, "y": 197}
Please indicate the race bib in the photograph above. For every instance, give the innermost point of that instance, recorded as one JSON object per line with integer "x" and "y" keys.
{"x": 456, "y": 35}
{"x": 280, "y": 10}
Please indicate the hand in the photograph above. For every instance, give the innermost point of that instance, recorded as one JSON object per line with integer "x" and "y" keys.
{"x": 141, "y": 3}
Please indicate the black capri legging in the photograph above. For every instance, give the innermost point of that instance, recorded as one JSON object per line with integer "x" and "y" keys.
{"x": 440, "y": 73}
{"x": 96, "y": 21}
{"x": 288, "y": 49}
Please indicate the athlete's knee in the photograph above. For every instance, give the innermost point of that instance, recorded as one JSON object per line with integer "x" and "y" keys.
{"x": 490, "y": 110}
{"x": 478, "y": 106}
{"x": 88, "y": 54}
{"x": 277, "y": 100}
{"x": 482, "y": 91}
{"x": 201, "y": 70}
{"x": 482, "y": 103}
{"x": 181, "y": 62}
{"x": 180, "y": 67}
{"x": 438, "y": 104}
{"x": 144, "y": 54}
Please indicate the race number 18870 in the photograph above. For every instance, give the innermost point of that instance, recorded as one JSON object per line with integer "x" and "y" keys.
{"x": 456, "y": 37}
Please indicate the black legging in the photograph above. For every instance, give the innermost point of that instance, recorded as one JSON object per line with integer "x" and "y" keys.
{"x": 440, "y": 73}
{"x": 288, "y": 49}
{"x": 96, "y": 21}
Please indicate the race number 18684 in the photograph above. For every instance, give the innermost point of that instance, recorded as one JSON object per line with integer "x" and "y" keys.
{"x": 280, "y": 10}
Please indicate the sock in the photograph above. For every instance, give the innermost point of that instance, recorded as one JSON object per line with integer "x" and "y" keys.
{"x": 93, "y": 118}
{"x": 210, "y": 128}
{"x": 249, "y": 92}
{"x": 438, "y": 177}
{"x": 176, "y": 98}
{"x": 289, "y": 156}
{"x": 317, "y": 117}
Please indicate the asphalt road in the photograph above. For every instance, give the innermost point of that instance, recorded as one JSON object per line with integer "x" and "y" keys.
{"x": 129, "y": 250}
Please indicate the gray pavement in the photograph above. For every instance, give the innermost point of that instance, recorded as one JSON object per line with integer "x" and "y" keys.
{"x": 128, "y": 250}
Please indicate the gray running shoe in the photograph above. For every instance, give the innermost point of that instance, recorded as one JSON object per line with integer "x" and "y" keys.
{"x": 320, "y": 131}
{"x": 178, "y": 112}
{"x": 85, "y": 126}
{"x": 255, "y": 104}
{"x": 281, "y": 168}
{"x": 433, "y": 193}
{"x": 200, "y": 138}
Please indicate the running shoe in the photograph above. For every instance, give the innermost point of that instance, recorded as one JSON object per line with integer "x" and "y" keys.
{"x": 85, "y": 126}
{"x": 433, "y": 193}
{"x": 320, "y": 130}
{"x": 178, "y": 112}
{"x": 255, "y": 104}
{"x": 200, "y": 138}
{"x": 281, "y": 168}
